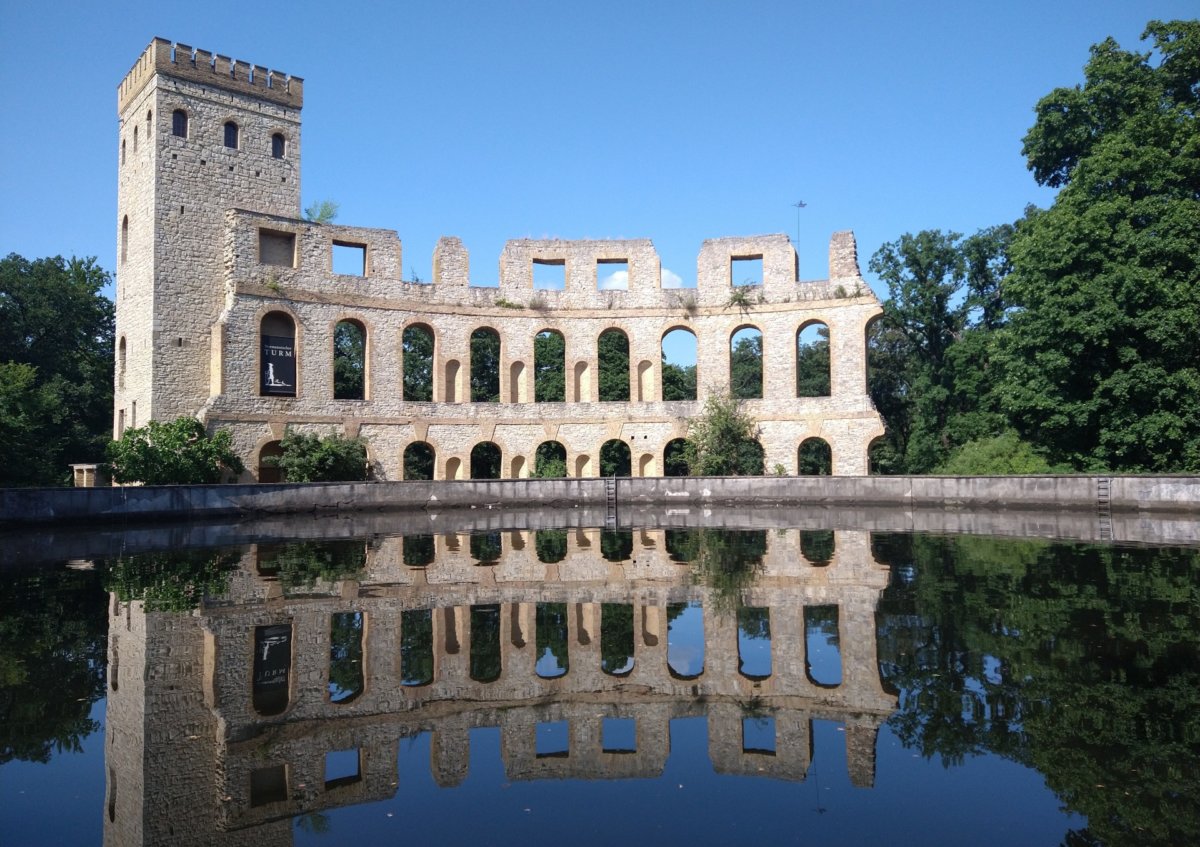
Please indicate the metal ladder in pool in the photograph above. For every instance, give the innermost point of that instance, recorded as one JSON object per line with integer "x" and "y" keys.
{"x": 610, "y": 502}
{"x": 1104, "y": 508}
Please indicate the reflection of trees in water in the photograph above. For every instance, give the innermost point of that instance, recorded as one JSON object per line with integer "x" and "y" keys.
{"x": 485, "y": 547}
{"x": 485, "y": 642}
{"x": 728, "y": 561}
{"x": 551, "y": 545}
{"x": 53, "y": 657}
{"x": 345, "y": 656}
{"x": 616, "y": 545}
{"x": 418, "y": 550}
{"x": 817, "y": 546}
{"x": 550, "y": 623}
{"x": 1080, "y": 661}
{"x": 416, "y": 647}
{"x": 170, "y": 581}
{"x": 616, "y": 638}
{"x": 302, "y": 564}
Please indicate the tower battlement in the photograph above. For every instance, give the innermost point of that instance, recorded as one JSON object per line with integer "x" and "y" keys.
{"x": 195, "y": 65}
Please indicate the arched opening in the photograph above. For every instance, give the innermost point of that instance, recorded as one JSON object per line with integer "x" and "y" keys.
{"x": 550, "y": 545}
{"x": 582, "y": 383}
{"x": 685, "y": 640}
{"x": 416, "y": 349}
{"x": 645, "y": 382}
{"x": 675, "y": 457}
{"x": 346, "y": 672}
{"x": 485, "y": 642}
{"x": 485, "y": 366}
{"x": 121, "y": 363}
{"x": 679, "y": 365}
{"x": 486, "y": 547}
{"x": 517, "y": 393}
{"x": 646, "y": 464}
{"x": 452, "y": 369}
{"x": 550, "y": 460}
{"x": 754, "y": 642}
{"x": 124, "y": 239}
{"x": 550, "y": 639}
{"x": 271, "y": 679}
{"x": 268, "y": 462}
{"x": 135, "y": 139}
{"x": 881, "y": 458}
{"x": 349, "y": 361}
{"x": 549, "y": 367}
{"x": 814, "y": 458}
{"x": 746, "y": 364}
{"x": 812, "y": 360}
{"x": 612, "y": 354}
{"x": 616, "y": 638}
{"x": 149, "y": 122}
{"x": 583, "y": 465}
{"x": 278, "y": 146}
{"x": 122, "y": 151}
{"x": 485, "y": 461}
{"x": 416, "y": 647}
{"x": 616, "y": 545}
{"x": 454, "y": 468}
{"x": 231, "y": 135}
{"x": 817, "y": 546}
{"x": 615, "y": 458}
{"x": 179, "y": 124}
{"x": 419, "y": 459}
{"x": 277, "y": 360}
{"x": 518, "y": 468}
{"x": 823, "y": 651}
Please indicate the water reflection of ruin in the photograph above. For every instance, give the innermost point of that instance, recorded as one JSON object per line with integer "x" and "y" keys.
{"x": 271, "y": 702}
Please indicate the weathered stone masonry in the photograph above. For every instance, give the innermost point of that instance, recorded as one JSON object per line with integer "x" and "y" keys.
{"x": 211, "y": 243}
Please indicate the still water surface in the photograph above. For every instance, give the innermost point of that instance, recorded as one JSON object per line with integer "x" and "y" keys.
{"x": 576, "y": 685}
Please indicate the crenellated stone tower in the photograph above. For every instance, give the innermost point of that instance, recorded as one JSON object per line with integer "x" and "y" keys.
{"x": 199, "y": 133}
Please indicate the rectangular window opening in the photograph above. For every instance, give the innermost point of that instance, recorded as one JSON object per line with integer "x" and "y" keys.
{"x": 342, "y": 767}
{"x": 277, "y": 248}
{"x": 612, "y": 274}
{"x": 550, "y": 274}
{"x": 619, "y": 735}
{"x": 758, "y": 736}
{"x": 268, "y": 785}
{"x": 746, "y": 270}
{"x": 553, "y": 740}
{"x": 349, "y": 259}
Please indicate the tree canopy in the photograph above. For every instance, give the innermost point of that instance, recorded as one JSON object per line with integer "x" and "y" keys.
{"x": 56, "y": 368}
{"x": 179, "y": 452}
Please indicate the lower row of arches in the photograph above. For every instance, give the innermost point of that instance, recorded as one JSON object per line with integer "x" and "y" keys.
{"x": 550, "y": 460}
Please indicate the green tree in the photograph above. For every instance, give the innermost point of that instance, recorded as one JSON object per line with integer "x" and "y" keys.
{"x": 998, "y": 455}
{"x": 308, "y": 457}
{"x": 678, "y": 381}
{"x": 485, "y": 366}
{"x": 321, "y": 211}
{"x": 550, "y": 461}
{"x": 170, "y": 582}
{"x": 417, "y": 350}
{"x": 1101, "y": 358}
{"x": 549, "y": 368}
{"x": 56, "y": 368}
{"x": 812, "y": 365}
{"x": 616, "y": 459}
{"x": 349, "y": 361}
{"x": 613, "y": 356}
{"x": 179, "y": 452}
{"x": 723, "y": 440}
{"x": 746, "y": 367}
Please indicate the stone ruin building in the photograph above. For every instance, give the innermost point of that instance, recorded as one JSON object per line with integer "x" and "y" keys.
{"x": 228, "y": 305}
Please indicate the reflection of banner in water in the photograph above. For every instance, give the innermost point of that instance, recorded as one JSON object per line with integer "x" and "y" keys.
{"x": 278, "y": 365}
{"x": 272, "y": 665}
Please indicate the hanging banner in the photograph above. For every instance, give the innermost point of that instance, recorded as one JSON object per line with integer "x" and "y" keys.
{"x": 272, "y": 667}
{"x": 278, "y": 366}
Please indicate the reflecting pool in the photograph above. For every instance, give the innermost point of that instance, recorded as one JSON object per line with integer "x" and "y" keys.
{"x": 680, "y": 685}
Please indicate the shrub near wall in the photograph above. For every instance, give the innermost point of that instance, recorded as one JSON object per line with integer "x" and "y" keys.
{"x": 312, "y": 458}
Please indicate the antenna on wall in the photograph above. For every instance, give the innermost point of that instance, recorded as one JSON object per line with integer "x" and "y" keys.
{"x": 799, "y": 204}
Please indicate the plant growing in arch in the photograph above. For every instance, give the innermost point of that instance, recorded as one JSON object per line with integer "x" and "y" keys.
{"x": 723, "y": 440}
{"x": 307, "y": 457}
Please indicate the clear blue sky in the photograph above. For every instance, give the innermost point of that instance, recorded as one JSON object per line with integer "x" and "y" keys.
{"x": 675, "y": 121}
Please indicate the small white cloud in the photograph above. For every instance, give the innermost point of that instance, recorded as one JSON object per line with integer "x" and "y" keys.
{"x": 670, "y": 279}
{"x": 616, "y": 279}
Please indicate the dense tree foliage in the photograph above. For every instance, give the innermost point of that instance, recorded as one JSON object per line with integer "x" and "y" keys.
{"x": 723, "y": 440}
{"x": 179, "y": 452}
{"x": 1101, "y": 358}
{"x": 349, "y": 361}
{"x": 170, "y": 582}
{"x": 613, "y": 357}
{"x": 550, "y": 460}
{"x": 746, "y": 367}
{"x": 812, "y": 364}
{"x": 485, "y": 366}
{"x": 301, "y": 564}
{"x": 308, "y": 457}
{"x": 417, "y": 351}
{"x": 1080, "y": 661}
{"x": 678, "y": 381}
{"x": 53, "y": 654}
{"x": 56, "y": 368}
{"x": 549, "y": 368}
{"x": 1067, "y": 340}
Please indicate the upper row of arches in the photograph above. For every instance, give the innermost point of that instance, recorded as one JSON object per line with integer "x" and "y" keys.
{"x": 182, "y": 127}
{"x": 427, "y": 376}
